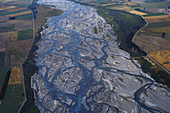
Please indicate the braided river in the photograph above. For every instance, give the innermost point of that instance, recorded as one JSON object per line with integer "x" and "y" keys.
{"x": 82, "y": 69}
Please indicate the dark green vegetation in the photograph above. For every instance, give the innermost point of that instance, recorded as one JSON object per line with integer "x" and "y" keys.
{"x": 30, "y": 69}
{"x": 24, "y": 17}
{"x": 12, "y": 100}
{"x": 3, "y": 71}
{"x": 25, "y": 34}
{"x": 125, "y": 27}
{"x": 159, "y": 75}
{"x": 5, "y": 85}
{"x": 2, "y": 58}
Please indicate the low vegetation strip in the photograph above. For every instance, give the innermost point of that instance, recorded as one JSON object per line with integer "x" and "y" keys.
{"x": 18, "y": 14}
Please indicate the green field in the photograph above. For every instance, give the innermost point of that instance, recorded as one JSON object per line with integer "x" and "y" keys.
{"x": 24, "y": 17}
{"x": 25, "y": 34}
{"x": 13, "y": 99}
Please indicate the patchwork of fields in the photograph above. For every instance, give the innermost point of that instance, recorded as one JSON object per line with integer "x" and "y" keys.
{"x": 16, "y": 32}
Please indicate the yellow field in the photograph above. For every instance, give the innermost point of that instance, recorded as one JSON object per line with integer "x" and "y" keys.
{"x": 18, "y": 14}
{"x": 5, "y": 8}
{"x": 162, "y": 57}
{"x": 15, "y": 77}
{"x": 124, "y": 8}
{"x": 137, "y": 12}
{"x": 107, "y": 4}
{"x": 129, "y": 3}
{"x": 154, "y": 19}
{"x": 159, "y": 29}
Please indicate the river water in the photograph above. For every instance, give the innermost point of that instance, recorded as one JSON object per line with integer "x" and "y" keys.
{"x": 82, "y": 70}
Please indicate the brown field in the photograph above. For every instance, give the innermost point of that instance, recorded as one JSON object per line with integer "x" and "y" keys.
{"x": 158, "y": 29}
{"x": 18, "y": 14}
{"x": 17, "y": 51}
{"x": 150, "y": 43}
{"x": 5, "y": 7}
{"x": 21, "y": 24}
{"x": 137, "y": 12}
{"x": 154, "y": 19}
{"x": 16, "y": 9}
{"x": 162, "y": 57}
{"x": 10, "y": 35}
{"x": 15, "y": 77}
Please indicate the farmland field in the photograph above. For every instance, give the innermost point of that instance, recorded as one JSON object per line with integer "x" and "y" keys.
{"x": 15, "y": 77}
{"x": 137, "y": 12}
{"x": 13, "y": 99}
{"x": 25, "y": 34}
{"x": 163, "y": 57}
{"x": 159, "y": 29}
{"x": 24, "y": 17}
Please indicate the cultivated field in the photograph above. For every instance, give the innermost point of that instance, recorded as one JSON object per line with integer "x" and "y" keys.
{"x": 163, "y": 57}
{"x": 15, "y": 77}
{"x": 18, "y": 14}
{"x": 155, "y": 19}
{"x": 150, "y": 43}
{"x": 137, "y": 12}
{"x": 159, "y": 30}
